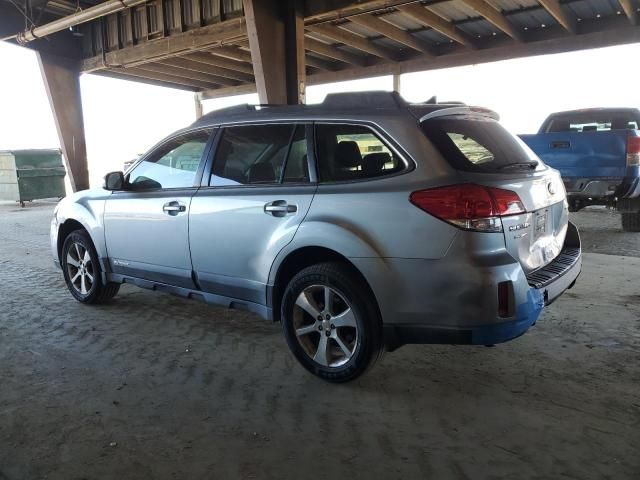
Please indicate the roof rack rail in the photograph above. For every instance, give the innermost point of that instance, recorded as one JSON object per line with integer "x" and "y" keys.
{"x": 245, "y": 107}
{"x": 372, "y": 99}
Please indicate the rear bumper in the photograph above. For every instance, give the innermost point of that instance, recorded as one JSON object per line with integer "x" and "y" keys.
{"x": 543, "y": 287}
{"x": 599, "y": 187}
{"x": 604, "y": 187}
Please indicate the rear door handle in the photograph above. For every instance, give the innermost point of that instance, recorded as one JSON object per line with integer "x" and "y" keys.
{"x": 173, "y": 208}
{"x": 279, "y": 208}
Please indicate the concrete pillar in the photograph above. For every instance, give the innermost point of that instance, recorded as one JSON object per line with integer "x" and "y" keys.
{"x": 62, "y": 83}
{"x": 396, "y": 82}
{"x": 276, "y": 39}
{"x": 198, "y": 105}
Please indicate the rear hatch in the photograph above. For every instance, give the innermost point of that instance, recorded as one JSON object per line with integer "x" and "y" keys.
{"x": 486, "y": 154}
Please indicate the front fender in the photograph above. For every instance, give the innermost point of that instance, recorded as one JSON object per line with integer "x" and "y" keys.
{"x": 86, "y": 208}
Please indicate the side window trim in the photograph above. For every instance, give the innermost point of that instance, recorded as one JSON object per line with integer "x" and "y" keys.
{"x": 286, "y": 157}
{"x": 201, "y": 164}
{"x": 208, "y": 166}
{"x": 205, "y": 181}
{"x": 312, "y": 158}
{"x": 390, "y": 143}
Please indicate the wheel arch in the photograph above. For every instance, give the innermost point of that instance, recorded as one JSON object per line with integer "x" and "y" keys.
{"x": 65, "y": 229}
{"x": 83, "y": 212}
{"x": 300, "y": 258}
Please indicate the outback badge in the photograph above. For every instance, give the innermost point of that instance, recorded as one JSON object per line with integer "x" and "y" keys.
{"x": 519, "y": 226}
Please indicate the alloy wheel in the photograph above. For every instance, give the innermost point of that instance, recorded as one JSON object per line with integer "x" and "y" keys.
{"x": 325, "y": 325}
{"x": 80, "y": 268}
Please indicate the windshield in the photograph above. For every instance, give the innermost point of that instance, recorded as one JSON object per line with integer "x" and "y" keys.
{"x": 478, "y": 144}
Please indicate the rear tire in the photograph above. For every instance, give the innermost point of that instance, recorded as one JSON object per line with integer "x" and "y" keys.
{"x": 331, "y": 322}
{"x": 631, "y": 222}
{"x": 82, "y": 271}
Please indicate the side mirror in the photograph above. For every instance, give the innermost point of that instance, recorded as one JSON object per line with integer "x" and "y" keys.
{"x": 114, "y": 181}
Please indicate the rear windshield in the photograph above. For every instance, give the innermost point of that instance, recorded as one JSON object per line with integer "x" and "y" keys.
{"x": 592, "y": 122}
{"x": 478, "y": 144}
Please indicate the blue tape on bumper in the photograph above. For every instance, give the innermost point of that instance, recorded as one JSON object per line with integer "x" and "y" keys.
{"x": 527, "y": 314}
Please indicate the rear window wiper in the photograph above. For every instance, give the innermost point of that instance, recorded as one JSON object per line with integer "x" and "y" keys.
{"x": 530, "y": 165}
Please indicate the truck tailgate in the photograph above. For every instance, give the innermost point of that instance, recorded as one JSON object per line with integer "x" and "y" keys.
{"x": 582, "y": 155}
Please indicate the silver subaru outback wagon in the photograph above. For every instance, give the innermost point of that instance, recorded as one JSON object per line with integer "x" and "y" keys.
{"x": 361, "y": 224}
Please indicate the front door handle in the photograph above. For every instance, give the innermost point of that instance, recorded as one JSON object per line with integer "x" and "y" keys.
{"x": 279, "y": 208}
{"x": 173, "y": 208}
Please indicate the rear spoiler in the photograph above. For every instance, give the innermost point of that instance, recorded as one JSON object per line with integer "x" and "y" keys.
{"x": 445, "y": 112}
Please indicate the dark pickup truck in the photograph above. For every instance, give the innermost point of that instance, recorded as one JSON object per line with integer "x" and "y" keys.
{"x": 597, "y": 152}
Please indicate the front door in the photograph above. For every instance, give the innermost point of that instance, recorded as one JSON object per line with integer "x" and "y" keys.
{"x": 147, "y": 225}
{"x": 260, "y": 190}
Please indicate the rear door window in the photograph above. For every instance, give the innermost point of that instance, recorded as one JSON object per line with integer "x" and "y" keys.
{"x": 478, "y": 144}
{"x": 353, "y": 152}
{"x": 261, "y": 154}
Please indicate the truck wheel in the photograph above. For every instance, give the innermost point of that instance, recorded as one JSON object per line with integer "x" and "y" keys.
{"x": 82, "y": 271}
{"x": 331, "y": 323}
{"x": 631, "y": 222}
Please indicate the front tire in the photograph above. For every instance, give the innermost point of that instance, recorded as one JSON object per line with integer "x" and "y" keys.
{"x": 82, "y": 272}
{"x": 631, "y": 222}
{"x": 331, "y": 322}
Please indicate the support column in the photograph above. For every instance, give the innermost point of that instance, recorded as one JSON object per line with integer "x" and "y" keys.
{"x": 396, "y": 82}
{"x": 198, "y": 105}
{"x": 276, "y": 39}
{"x": 62, "y": 83}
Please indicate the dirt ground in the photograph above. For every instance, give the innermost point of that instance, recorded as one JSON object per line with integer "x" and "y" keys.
{"x": 152, "y": 386}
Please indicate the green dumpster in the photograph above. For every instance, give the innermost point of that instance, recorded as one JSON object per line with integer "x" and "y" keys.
{"x": 27, "y": 175}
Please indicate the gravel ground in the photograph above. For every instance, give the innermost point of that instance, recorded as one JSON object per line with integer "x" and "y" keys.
{"x": 153, "y": 386}
{"x": 601, "y": 232}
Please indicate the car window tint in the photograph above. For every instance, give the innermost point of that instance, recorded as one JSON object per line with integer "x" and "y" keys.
{"x": 297, "y": 168}
{"x": 251, "y": 154}
{"x": 173, "y": 165}
{"x": 353, "y": 152}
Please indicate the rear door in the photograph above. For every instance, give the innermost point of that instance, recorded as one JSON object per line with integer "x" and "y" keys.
{"x": 147, "y": 225}
{"x": 485, "y": 153}
{"x": 257, "y": 194}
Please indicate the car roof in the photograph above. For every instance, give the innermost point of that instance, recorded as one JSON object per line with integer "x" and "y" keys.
{"x": 360, "y": 106}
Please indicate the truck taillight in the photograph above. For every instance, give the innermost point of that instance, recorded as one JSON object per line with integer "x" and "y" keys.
{"x": 469, "y": 206}
{"x": 633, "y": 151}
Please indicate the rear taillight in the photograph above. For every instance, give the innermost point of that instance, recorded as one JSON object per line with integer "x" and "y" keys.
{"x": 633, "y": 151}
{"x": 469, "y": 206}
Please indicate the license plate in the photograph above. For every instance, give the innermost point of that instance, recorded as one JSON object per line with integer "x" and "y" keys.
{"x": 540, "y": 224}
